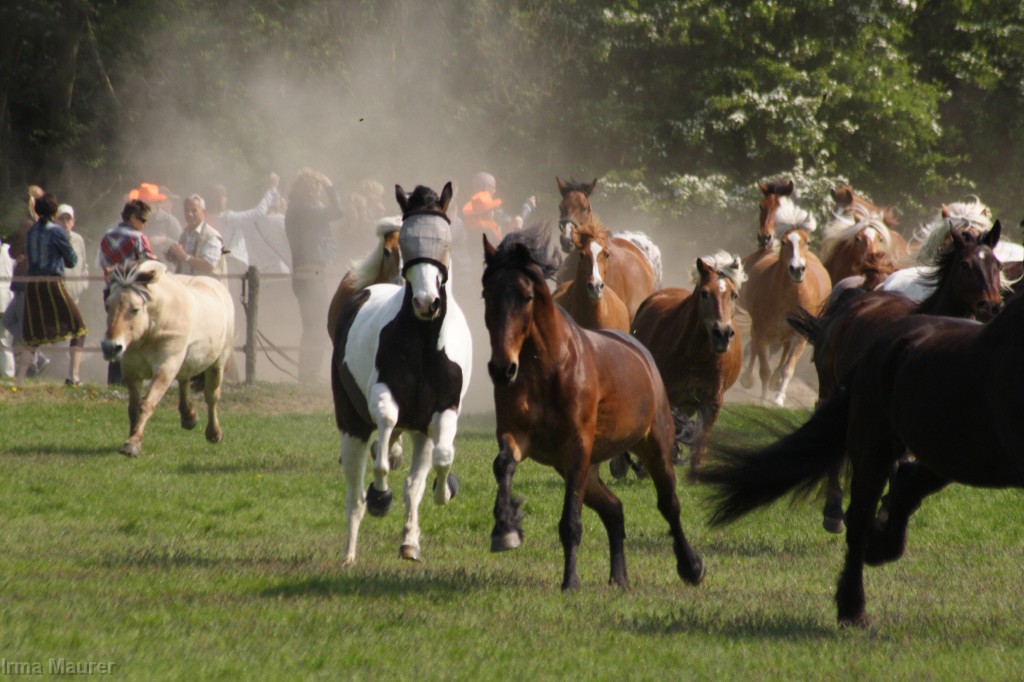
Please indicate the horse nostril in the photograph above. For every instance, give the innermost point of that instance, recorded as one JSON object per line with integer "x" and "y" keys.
{"x": 434, "y": 305}
{"x": 511, "y": 370}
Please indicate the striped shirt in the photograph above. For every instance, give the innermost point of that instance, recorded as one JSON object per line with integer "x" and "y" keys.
{"x": 122, "y": 243}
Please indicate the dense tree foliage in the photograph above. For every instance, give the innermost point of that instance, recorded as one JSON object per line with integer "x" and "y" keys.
{"x": 681, "y": 105}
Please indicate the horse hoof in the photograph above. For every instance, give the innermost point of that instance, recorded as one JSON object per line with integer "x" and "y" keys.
{"x": 214, "y": 436}
{"x": 409, "y": 553}
{"x": 130, "y": 449}
{"x": 510, "y": 540}
{"x": 378, "y": 503}
{"x": 832, "y": 525}
{"x": 453, "y": 484}
{"x": 858, "y": 621}
{"x": 695, "y": 577}
{"x": 189, "y": 423}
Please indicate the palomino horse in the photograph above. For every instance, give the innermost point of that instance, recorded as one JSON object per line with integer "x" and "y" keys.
{"x": 586, "y": 298}
{"x": 780, "y": 284}
{"x": 167, "y": 327}
{"x": 402, "y": 360}
{"x": 948, "y": 390}
{"x": 382, "y": 265}
{"x": 857, "y": 206}
{"x": 851, "y": 240}
{"x": 696, "y": 346}
{"x": 967, "y": 285}
{"x": 634, "y": 263}
{"x": 571, "y": 398}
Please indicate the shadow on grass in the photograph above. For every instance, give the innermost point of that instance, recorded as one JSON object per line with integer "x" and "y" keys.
{"x": 750, "y": 626}
{"x": 77, "y": 451}
{"x": 236, "y": 468}
{"x": 377, "y": 584}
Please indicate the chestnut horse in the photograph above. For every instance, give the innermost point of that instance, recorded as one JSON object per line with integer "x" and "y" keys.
{"x": 586, "y": 298}
{"x": 967, "y": 285}
{"x": 696, "y": 346}
{"x": 780, "y": 284}
{"x": 948, "y": 390}
{"x": 851, "y": 240}
{"x": 571, "y": 398}
{"x": 634, "y": 264}
{"x": 382, "y": 265}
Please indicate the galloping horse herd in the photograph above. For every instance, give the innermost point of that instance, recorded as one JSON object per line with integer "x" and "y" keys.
{"x": 592, "y": 360}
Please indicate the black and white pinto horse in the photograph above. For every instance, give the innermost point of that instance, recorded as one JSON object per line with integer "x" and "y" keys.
{"x": 402, "y": 360}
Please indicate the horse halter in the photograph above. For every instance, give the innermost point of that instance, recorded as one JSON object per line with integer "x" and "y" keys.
{"x": 426, "y": 237}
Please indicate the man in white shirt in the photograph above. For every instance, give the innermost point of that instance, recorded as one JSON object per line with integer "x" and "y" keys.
{"x": 200, "y": 251}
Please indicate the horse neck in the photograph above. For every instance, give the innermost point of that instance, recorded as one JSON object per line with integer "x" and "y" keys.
{"x": 430, "y": 329}
{"x": 694, "y": 336}
{"x": 551, "y": 332}
{"x": 943, "y": 302}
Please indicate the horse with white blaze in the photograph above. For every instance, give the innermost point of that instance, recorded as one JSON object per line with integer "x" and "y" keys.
{"x": 167, "y": 327}
{"x": 402, "y": 361}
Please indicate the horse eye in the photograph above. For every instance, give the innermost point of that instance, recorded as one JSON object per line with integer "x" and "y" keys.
{"x": 735, "y": 295}
{"x": 704, "y": 294}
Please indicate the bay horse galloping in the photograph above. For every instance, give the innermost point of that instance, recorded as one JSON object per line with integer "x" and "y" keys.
{"x": 946, "y": 389}
{"x": 571, "y": 398}
{"x": 586, "y": 298}
{"x": 967, "y": 284}
{"x": 779, "y": 285}
{"x": 402, "y": 361}
{"x": 696, "y": 346}
{"x": 382, "y": 265}
{"x": 634, "y": 264}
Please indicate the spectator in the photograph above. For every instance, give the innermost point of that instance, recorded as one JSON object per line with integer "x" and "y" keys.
{"x": 49, "y": 315}
{"x": 75, "y": 288}
{"x": 268, "y": 248}
{"x": 162, "y": 229}
{"x": 124, "y": 244}
{"x": 233, "y": 225}
{"x": 200, "y": 251}
{"x": 14, "y": 309}
{"x": 312, "y": 204}
{"x": 6, "y": 296}
{"x": 478, "y": 214}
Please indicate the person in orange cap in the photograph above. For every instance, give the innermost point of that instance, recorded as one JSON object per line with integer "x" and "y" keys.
{"x": 163, "y": 229}
{"x": 478, "y": 213}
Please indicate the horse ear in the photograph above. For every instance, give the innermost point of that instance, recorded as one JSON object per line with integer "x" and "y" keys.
{"x": 959, "y": 236}
{"x": 1013, "y": 270}
{"x": 843, "y": 196}
{"x": 945, "y": 211}
{"x": 562, "y": 187}
{"x": 402, "y": 197}
{"x": 763, "y": 187}
{"x": 787, "y": 189}
{"x": 991, "y": 237}
{"x": 587, "y": 189}
{"x": 489, "y": 250}
{"x": 446, "y": 196}
{"x": 703, "y": 269}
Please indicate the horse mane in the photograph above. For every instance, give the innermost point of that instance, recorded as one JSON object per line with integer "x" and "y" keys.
{"x": 788, "y": 215}
{"x": 932, "y": 235}
{"x": 595, "y": 230}
{"x": 943, "y": 265}
{"x": 136, "y": 276}
{"x": 364, "y": 271}
{"x": 843, "y": 228}
{"x": 522, "y": 249}
{"x": 725, "y": 265}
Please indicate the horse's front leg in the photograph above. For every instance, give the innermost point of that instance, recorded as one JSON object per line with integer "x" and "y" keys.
{"x": 384, "y": 412}
{"x": 609, "y": 508}
{"x": 185, "y": 410}
{"x": 507, "y": 510}
{"x": 353, "y": 463}
{"x": 211, "y": 391}
{"x": 161, "y": 382}
{"x": 570, "y": 527}
{"x": 792, "y": 350}
{"x": 442, "y": 433}
{"x": 415, "y": 483}
{"x": 749, "y": 355}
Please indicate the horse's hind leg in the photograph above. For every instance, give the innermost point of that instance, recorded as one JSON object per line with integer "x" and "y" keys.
{"x": 793, "y": 349}
{"x": 609, "y": 509}
{"x": 507, "y": 510}
{"x": 749, "y": 354}
{"x": 415, "y": 483}
{"x": 912, "y": 483}
{"x": 214, "y": 377}
{"x": 657, "y": 458}
{"x": 833, "y": 519}
{"x": 353, "y": 461}
{"x": 189, "y": 419}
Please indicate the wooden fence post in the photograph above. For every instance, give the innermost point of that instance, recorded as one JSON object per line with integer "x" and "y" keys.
{"x": 251, "y": 306}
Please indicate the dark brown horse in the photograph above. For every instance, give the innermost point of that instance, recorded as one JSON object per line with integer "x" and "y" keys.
{"x": 946, "y": 389}
{"x": 381, "y": 265}
{"x": 967, "y": 284}
{"x": 695, "y": 344}
{"x": 633, "y": 272}
{"x": 779, "y": 285}
{"x": 586, "y": 298}
{"x": 571, "y": 398}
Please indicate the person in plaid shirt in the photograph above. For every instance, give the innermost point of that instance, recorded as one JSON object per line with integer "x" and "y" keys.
{"x": 122, "y": 244}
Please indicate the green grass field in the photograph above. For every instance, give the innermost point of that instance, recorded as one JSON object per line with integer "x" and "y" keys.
{"x": 224, "y": 562}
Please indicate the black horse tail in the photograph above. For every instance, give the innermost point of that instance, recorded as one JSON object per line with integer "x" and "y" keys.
{"x": 744, "y": 480}
{"x": 805, "y": 324}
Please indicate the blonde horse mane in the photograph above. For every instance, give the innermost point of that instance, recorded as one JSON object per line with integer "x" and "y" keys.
{"x": 932, "y": 235}
{"x": 843, "y": 227}
{"x": 364, "y": 271}
{"x": 788, "y": 215}
{"x": 725, "y": 265}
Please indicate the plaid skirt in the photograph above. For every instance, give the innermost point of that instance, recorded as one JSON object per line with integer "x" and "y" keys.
{"x": 50, "y": 315}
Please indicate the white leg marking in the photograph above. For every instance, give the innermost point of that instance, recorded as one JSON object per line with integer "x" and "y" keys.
{"x": 353, "y": 463}
{"x": 384, "y": 411}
